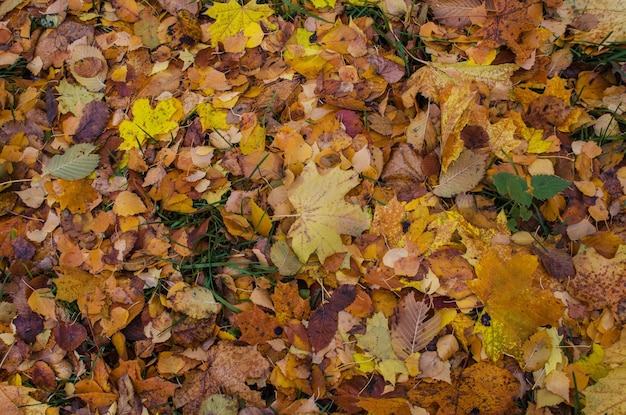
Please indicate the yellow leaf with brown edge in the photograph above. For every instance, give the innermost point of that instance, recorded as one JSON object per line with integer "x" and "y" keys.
{"x": 456, "y": 103}
{"x": 514, "y": 304}
{"x": 41, "y": 301}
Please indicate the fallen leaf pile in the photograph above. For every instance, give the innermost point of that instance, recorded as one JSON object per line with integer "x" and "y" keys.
{"x": 312, "y": 206}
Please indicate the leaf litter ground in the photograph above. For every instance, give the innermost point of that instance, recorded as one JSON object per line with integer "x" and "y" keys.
{"x": 334, "y": 206}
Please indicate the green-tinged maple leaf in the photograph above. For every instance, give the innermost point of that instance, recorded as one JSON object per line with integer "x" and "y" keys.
{"x": 76, "y": 163}
{"x": 148, "y": 122}
{"x": 323, "y": 214}
{"x": 233, "y": 18}
{"x": 377, "y": 342}
{"x": 515, "y": 307}
{"x": 607, "y": 396}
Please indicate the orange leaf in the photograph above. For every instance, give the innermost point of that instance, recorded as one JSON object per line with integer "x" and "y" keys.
{"x": 516, "y": 307}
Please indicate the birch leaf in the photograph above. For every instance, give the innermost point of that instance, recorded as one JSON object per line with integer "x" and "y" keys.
{"x": 76, "y": 163}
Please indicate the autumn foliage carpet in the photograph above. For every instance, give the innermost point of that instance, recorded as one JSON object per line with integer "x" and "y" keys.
{"x": 312, "y": 206}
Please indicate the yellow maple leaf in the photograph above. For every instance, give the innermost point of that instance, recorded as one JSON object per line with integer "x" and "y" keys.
{"x": 148, "y": 122}
{"x": 232, "y": 19}
{"x": 514, "y": 307}
{"x": 323, "y": 214}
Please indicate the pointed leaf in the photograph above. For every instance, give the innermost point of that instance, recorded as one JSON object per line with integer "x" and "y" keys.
{"x": 409, "y": 332}
{"x": 513, "y": 186}
{"x": 546, "y": 186}
{"x": 462, "y": 175}
{"x": 76, "y": 163}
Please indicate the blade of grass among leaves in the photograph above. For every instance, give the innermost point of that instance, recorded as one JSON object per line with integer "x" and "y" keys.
{"x": 313, "y": 206}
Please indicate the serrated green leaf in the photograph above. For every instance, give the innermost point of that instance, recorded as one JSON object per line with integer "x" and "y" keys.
{"x": 76, "y": 163}
{"x": 514, "y": 186}
{"x": 546, "y": 186}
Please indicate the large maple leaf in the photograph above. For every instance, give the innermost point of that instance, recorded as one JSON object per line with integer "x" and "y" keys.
{"x": 323, "y": 214}
{"x": 507, "y": 27}
{"x": 514, "y": 307}
{"x": 232, "y": 19}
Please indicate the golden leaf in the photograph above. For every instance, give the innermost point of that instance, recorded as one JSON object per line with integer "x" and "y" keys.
{"x": 513, "y": 304}
{"x": 232, "y": 19}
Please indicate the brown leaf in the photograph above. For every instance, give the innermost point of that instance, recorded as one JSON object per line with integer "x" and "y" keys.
{"x": 70, "y": 335}
{"x": 256, "y": 326}
{"x": 28, "y": 326}
{"x": 322, "y": 327}
{"x": 236, "y": 367}
{"x": 558, "y": 263}
{"x": 95, "y": 117}
{"x": 410, "y": 332}
{"x": 403, "y": 173}
{"x": 341, "y": 298}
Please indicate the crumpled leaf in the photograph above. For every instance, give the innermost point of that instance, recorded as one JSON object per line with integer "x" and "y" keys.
{"x": 76, "y": 163}
{"x": 516, "y": 307}
{"x": 323, "y": 214}
{"x": 232, "y": 18}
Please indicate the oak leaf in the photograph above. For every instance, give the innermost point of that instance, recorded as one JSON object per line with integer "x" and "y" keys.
{"x": 515, "y": 306}
{"x": 322, "y": 213}
{"x": 233, "y": 18}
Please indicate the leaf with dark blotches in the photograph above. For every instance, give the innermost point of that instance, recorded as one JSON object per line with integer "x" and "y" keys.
{"x": 92, "y": 123}
{"x": 28, "y": 326}
{"x": 70, "y": 335}
{"x": 322, "y": 327}
{"x": 341, "y": 298}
